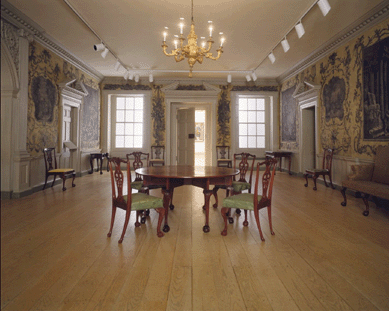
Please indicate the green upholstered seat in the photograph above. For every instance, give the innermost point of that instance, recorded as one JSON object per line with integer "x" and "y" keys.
{"x": 137, "y": 185}
{"x": 142, "y": 201}
{"x": 242, "y": 201}
{"x": 239, "y": 186}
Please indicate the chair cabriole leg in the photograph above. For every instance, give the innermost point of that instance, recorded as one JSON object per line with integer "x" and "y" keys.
{"x": 270, "y": 221}
{"x": 125, "y": 226}
{"x": 112, "y": 220}
{"x": 256, "y": 214}
{"x": 161, "y": 212}
{"x": 343, "y": 191}
{"x": 224, "y": 212}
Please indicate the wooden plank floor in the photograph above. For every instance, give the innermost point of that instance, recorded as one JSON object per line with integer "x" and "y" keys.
{"x": 55, "y": 254}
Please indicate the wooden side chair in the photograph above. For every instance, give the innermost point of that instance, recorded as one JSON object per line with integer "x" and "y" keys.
{"x": 140, "y": 159}
{"x": 53, "y": 170}
{"x": 223, "y": 156}
{"x": 245, "y": 163}
{"x": 138, "y": 202}
{"x": 324, "y": 171}
{"x": 253, "y": 202}
{"x": 157, "y": 155}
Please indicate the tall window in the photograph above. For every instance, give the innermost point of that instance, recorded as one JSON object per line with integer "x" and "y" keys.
{"x": 251, "y": 118}
{"x": 129, "y": 122}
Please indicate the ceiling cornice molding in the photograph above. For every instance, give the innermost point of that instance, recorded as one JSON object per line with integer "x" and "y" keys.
{"x": 367, "y": 21}
{"x": 18, "y": 19}
{"x": 193, "y": 81}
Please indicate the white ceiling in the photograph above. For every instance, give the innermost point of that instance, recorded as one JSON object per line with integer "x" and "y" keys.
{"x": 133, "y": 29}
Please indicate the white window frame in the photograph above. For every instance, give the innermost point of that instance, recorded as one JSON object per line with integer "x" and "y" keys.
{"x": 271, "y": 122}
{"x": 109, "y": 120}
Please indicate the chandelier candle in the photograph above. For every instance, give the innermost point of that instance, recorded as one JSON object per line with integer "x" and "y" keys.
{"x": 191, "y": 51}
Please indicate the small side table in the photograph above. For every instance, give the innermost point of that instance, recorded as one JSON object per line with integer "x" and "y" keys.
{"x": 99, "y": 157}
{"x": 279, "y": 155}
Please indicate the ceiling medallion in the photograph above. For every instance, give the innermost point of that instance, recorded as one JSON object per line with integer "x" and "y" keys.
{"x": 191, "y": 51}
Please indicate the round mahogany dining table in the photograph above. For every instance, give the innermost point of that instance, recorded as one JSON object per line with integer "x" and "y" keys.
{"x": 173, "y": 176}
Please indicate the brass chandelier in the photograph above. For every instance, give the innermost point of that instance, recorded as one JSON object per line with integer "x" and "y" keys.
{"x": 191, "y": 51}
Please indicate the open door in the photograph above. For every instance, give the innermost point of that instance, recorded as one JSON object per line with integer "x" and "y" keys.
{"x": 185, "y": 136}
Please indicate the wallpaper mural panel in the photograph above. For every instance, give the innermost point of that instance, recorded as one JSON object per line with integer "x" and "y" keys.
{"x": 46, "y": 70}
{"x": 90, "y": 120}
{"x": 354, "y": 92}
{"x": 376, "y": 91}
{"x": 289, "y": 108}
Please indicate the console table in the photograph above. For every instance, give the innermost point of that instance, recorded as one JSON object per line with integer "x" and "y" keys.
{"x": 99, "y": 157}
{"x": 279, "y": 155}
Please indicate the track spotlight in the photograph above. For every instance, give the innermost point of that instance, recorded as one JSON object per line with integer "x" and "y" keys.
{"x": 254, "y": 76}
{"x": 151, "y": 78}
{"x": 285, "y": 45}
{"x": 248, "y": 78}
{"x": 99, "y": 47}
{"x": 131, "y": 76}
{"x": 136, "y": 78}
{"x": 272, "y": 57}
{"x": 324, "y": 6}
{"x": 117, "y": 65}
{"x": 104, "y": 53}
{"x": 127, "y": 73}
{"x": 229, "y": 78}
{"x": 300, "y": 29}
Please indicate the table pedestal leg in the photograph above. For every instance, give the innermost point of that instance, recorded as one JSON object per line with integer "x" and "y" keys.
{"x": 207, "y": 196}
{"x": 166, "y": 201}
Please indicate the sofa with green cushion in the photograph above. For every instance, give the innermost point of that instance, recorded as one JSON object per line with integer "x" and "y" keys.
{"x": 370, "y": 180}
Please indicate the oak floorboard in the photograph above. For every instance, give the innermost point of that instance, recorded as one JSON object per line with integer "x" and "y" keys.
{"x": 56, "y": 254}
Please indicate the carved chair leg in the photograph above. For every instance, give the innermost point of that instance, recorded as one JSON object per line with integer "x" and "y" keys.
{"x": 256, "y": 214}
{"x": 161, "y": 212}
{"x": 343, "y": 192}
{"x": 306, "y": 179}
{"x": 63, "y": 182}
{"x": 112, "y": 221}
{"x": 55, "y": 176}
{"x": 74, "y": 177}
{"x": 137, "y": 223}
{"x": 224, "y": 212}
{"x": 245, "y": 222}
{"x": 325, "y": 182}
{"x": 125, "y": 226}
{"x": 270, "y": 221}
{"x": 314, "y": 181}
{"x": 47, "y": 176}
{"x": 366, "y": 201}
{"x": 332, "y": 186}
{"x": 215, "y": 189}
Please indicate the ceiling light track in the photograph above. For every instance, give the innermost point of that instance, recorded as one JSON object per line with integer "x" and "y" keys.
{"x": 298, "y": 26}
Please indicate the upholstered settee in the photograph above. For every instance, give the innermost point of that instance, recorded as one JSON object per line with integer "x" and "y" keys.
{"x": 370, "y": 180}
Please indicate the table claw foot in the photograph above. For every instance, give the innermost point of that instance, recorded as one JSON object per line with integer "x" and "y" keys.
{"x": 166, "y": 228}
{"x": 206, "y": 228}
{"x": 171, "y": 206}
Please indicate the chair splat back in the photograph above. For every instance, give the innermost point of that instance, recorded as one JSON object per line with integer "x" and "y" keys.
{"x": 244, "y": 165}
{"x": 117, "y": 179}
{"x": 141, "y": 159}
{"x": 327, "y": 159}
{"x": 50, "y": 158}
{"x": 267, "y": 180}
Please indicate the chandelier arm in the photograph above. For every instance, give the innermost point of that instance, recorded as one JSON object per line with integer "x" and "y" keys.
{"x": 210, "y": 42}
{"x": 179, "y": 57}
{"x": 173, "y": 53}
{"x": 219, "y": 53}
